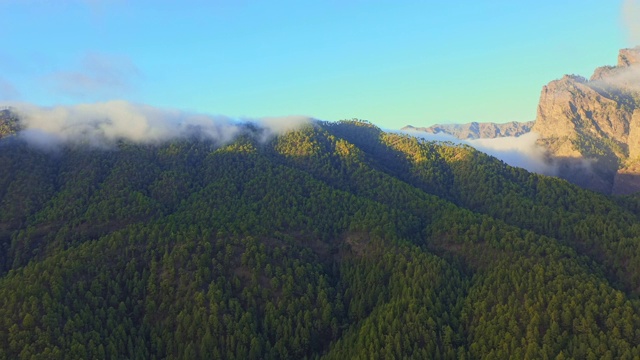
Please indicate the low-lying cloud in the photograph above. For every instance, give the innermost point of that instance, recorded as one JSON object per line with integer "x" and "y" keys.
{"x": 103, "y": 124}
{"x": 522, "y": 151}
{"x": 625, "y": 78}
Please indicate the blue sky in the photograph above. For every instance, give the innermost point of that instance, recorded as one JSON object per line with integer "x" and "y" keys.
{"x": 391, "y": 62}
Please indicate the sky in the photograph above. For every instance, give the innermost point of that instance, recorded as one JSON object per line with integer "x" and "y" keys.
{"x": 393, "y": 63}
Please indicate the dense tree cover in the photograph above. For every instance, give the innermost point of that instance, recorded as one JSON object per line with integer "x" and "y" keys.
{"x": 337, "y": 241}
{"x": 9, "y": 123}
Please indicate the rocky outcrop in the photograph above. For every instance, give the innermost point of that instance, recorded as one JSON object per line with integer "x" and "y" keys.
{"x": 476, "y": 130}
{"x": 628, "y": 57}
{"x": 603, "y": 72}
{"x": 590, "y": 128}
{"x": 571, "y": 107}
{"x": 595, "y": 121}
{"x": 627, "y": 179}
{"x": 633, "y": 140}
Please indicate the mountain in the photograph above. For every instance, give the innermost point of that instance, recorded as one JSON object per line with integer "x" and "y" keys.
{"x": 595, "y": 121}
{"x": 475, "y": 130}
{"x": 335, "y": 241}
{"x": 590, "y": 129}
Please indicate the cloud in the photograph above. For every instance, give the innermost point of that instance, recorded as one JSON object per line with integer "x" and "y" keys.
{"x": 631, "y": 20}
{"x": 102, "y": 124}
{"x": 521, "y": 151}
{"x": 279, "y": 125}
{"x": 96, "y": 76}
{"x": 433, "y": 137}
{"x": 625, "y": 78}
{"x": 8, "y": 91}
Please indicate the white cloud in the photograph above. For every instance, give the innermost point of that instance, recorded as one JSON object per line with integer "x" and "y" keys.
{"x": 433, "y": 137}
{"x": 623, "y": 78}
{"x": 521, "y": 151}
{"x": 101, "y": 124}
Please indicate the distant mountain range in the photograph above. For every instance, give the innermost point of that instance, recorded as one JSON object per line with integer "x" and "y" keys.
{"x": 476, "y": 130}
{"x": 589, "y": 128}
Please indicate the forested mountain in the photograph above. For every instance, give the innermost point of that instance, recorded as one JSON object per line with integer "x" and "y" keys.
{"x": 8, "y": 122}
{"x": 334, "y": 241}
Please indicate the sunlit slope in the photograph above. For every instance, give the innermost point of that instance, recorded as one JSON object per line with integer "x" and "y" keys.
{"x": 337, "y": 240}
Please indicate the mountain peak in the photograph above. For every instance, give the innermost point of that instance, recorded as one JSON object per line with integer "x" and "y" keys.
{"x": 595, "y": 121}
{"x": 628, "y": 57}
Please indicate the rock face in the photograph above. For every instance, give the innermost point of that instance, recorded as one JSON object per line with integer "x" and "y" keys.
{"x": 475, "y": 130}
{"x": 595, "y": 122}
{"x": 628, "y": 57}
{"x": 590, "y": 128}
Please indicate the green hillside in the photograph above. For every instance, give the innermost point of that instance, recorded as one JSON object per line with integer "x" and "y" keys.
{"x": 337, "y": 241}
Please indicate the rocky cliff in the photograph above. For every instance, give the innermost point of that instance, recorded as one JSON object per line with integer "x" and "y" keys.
{"x": 628, "y": 57}
{"x": 591, "y": 128}
{"x": 475, "y": 130}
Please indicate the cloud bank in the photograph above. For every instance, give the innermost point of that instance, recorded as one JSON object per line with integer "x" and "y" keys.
{"x": 522, "y": 151}
{"x": 621, "y": 78}
{"x": 103, "y": 124}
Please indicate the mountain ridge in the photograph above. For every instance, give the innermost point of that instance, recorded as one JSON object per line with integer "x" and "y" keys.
{"x": 589, "y": 128}
{"x": 335, "y": 240}
{"x": 476, "y": 130}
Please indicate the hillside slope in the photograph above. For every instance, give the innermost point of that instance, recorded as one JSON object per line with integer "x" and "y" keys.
{"x": 338, "y": 241}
